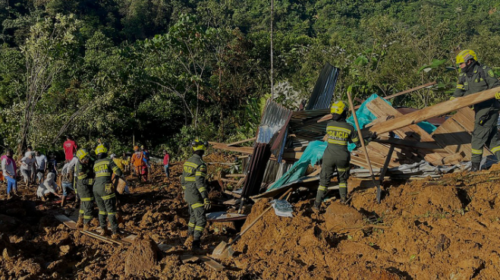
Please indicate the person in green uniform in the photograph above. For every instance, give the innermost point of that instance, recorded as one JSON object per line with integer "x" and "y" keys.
{"x": 194, "y": 183}
{"x": 336, "y": 155}
{"x": 104, "y": 190}
{"x": 84, "y": 182}
{"x": 473, "y": 78}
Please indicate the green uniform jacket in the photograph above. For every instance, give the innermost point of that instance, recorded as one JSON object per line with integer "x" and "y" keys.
{"x": 103, "y": 169}
{"x": 483, "y": 78}
{"x": 194, "y": 181}
{"x": 85, "y": 175}
{"x": 340, "y": 133}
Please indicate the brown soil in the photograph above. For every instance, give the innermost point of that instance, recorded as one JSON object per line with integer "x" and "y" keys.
{"x": 444, "y": 229}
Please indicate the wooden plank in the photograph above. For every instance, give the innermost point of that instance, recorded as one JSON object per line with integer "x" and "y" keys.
{"x": 232, "y": 193}
{"x": 230, "y": 202}
{"x": 242, "y": 141}
{"x": 411, "y": 132}
{"x": 229, "y": 181}
{"x": 235, "y": 175}
{"x": 66, "y": 221}
{"x": 212, "y": 263}
{"x": 410, "y": 90}
{"x": 221, "y": 146}
{"x": 406, "y": 143}
{"x": 434, "y": 111}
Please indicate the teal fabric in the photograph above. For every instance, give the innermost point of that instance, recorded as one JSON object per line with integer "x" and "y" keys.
{"x": 315, "y": 149}
{"x": 365, "y": 117}
{"x": 312, "y": 154}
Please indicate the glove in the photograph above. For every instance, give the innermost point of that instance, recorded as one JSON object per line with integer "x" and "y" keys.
{"x": 497, "y": 95}
{"x": 207, "y": 204}
{"x": 451, "y": 98}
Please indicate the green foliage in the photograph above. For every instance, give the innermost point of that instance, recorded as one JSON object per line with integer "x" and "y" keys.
{"x": 163, "y": 72}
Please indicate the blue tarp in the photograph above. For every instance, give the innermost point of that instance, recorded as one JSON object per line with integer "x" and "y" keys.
{"x": 314, "y": 151}
{"x": 312, "y": 154}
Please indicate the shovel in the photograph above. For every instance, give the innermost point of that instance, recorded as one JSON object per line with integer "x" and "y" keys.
{"x": 224, "y": 249}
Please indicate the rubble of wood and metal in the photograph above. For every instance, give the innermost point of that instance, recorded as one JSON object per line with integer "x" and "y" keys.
{"x": 410, "y": 143}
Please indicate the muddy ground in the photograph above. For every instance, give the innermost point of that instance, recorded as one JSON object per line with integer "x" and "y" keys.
{"x": 425, "y": 229}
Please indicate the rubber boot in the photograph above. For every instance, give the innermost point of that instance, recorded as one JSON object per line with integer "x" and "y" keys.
{"x": 475, "y": 166}
{"x": 316, "y": 206}
{"x": 62, "y": 200}
{"x": 79, "y": 223}
{"x": 196, "y": 245}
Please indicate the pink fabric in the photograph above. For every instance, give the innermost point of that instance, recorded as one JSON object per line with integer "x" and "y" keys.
{"x": 10, "y": 161}
{"x": 69, "y": 149}
{"x": 166, "y": 159}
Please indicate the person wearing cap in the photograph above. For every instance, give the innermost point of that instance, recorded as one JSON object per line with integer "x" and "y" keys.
{"x": 195, "y": 188}
{"x": 336, "y": 155}
{"x": 104, "y": 190}
{"x": 474, "y": 77}
{"x": 84, "y": 184}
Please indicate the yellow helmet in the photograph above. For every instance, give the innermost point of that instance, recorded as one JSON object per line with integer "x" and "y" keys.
{"x": 81, "y": 154}
{"x": 465, "y": 55}
{"x": 199, "y": 145}
{"x": 338, "y": 108}
{"x": 101, "y": 149}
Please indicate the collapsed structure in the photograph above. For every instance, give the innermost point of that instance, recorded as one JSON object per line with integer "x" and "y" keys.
{"x": 288, "y": 146}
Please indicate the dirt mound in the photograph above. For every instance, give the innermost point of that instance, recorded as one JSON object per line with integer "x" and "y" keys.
{"x": 339, "y": 216}
{"x": 142, "y": 257}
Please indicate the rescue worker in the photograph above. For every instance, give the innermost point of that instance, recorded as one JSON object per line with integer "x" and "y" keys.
{"x": 194, "y": 183}
{"x": 336, "y": 155}
{"x": 104, "y": 190}
{"x": 84, "y": 182}
{"x": 473, "y": 78}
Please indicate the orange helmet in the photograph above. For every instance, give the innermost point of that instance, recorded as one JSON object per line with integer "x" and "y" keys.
{"x": 136, "y": 148}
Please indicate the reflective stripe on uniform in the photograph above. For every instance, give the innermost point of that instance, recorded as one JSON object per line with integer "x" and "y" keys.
{"x": 189, "y": 179}
{"x": 355, "y": 139}
{"x": 342, "y": 169}
{"x": 102, "y": 212}
{"x": 82, "y": 177}
{"x": 197, "y": 205}
{"x": 198, "y": 173}
{"x": 111, "y": 214}
{"x": 183, "y": 187}
{"x": 342, "y": 185}
{"x": 496, "y": 149}
{"x": 338, "y": 129}
{"x": 190, "y": 164}
{"x": 197, "y": 228}
{"x": 478, "y": 152}
{"x": 338, "y": 142}
{"x": 106, "y": 197}
{"x": 101, "y": 163}
{"x": 460, "y": 86}
{"x": 202, "y": 189}
{"x": 81, "y": 211}
{"x": 103, "y": 174}
{"x": 87, "y": 217}
{"x": 191, "y": 225}
{"x": 115, "y": 169}
{"x": 322, "y": 188}
{"x": 86, "y": 198}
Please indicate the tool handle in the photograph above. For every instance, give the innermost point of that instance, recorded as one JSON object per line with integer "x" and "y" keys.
{"x": 257, "y": 219}
{"x": 368, "y": 162}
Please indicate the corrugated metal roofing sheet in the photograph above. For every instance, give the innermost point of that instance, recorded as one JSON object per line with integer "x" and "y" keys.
{"x": 322, "y": 94}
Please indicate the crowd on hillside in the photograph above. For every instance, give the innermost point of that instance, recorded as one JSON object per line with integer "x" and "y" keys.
{"x": 53, "y": 180}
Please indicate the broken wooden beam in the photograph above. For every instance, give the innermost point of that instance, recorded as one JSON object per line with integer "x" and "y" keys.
{"x": 242, "y": 141}
{"x": 410, "y": 90}
{"x": 434, "y": 111}
{"x": 406, "y": 143}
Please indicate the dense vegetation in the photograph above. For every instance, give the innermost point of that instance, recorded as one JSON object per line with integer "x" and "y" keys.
{"x": 167, "y": 71}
